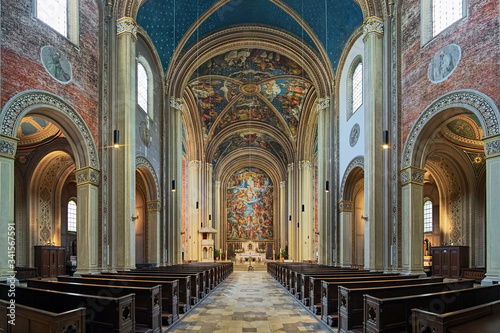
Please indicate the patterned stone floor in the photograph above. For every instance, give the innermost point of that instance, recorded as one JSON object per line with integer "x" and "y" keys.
{"x": 249, "y": 302}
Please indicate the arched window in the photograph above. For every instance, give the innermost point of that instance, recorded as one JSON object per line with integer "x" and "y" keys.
{"x": 72, "y": 215}
{"x": 437, "y": 15}
{"x": 60, "y": 15}
{"x": 355, "y": 87}
{"x": 428, "y": 216}
{"x": 142, "y": 87}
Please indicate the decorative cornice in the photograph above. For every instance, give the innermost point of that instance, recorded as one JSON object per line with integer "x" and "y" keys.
{"x": 126, "y": 25}
{"x": 17, "y": 107}
{"x": 176, "y": 103}
{"x": 87, "y": 175}
{"x": 457, "y": 99}
{"x": 492, "y": 146}
{"x": 345, "y": 206}
{"x": 8, "y": 146}
{"x": 373, "y": 24}
{"x": 153, "y": 205}
{"x": 412, "y": 175}
{"x": 194, "y": 164}
{"x": 322, "y": 104}
{"x": 305, "y": 164}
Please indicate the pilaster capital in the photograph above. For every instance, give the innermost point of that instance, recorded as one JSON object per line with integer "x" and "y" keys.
{"x": 126, "y": 25}
{"x": 176, "y": 103}
{"x": 290, "y": 167}
{"x": 194, "y": 164}
{"x": 217, "y": 183}
{"x": 373, "y": 24}
{"x": 322, "y": 104}
{"x": 282, "y": 184}
{"x": 210, "y": 166}
{"x": 305, "y": 165}
{"x": 8, "y": 146}
{"x": 412, "y": 175}
{"x": 346, "y": 206}
{"x": 153, "y": 205}
{"x": 87, "y": 175}
{"x": 492, "y": 146}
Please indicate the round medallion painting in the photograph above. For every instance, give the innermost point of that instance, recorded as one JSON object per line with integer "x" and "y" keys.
{"x": 444, "y": 63}
{"x": 56, "y": 64}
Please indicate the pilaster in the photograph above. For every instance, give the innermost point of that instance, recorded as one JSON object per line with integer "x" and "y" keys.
{"x": 193, "y": 207}
{"x": 306, "y": 228}
{"x": 292, "y": 214}
{"x": 345, "y": 229}
{"x": 283, "y": 217}
{"x": 154, "y": 213}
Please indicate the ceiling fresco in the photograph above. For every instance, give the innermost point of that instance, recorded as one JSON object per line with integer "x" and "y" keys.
{"x": 464, "y": 131}
{"x": 250, "y": 85}
{"x": 33, "y": 130}
{"x": 329, "y": 24}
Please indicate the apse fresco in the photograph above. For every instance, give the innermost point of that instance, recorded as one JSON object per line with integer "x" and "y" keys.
{"x": 249, "y": 108}
{"x": 249, "y": 206}
{"x": 250, "y": 65}
{"x": 249, "y": 139}
{"x": 212, "y": 96}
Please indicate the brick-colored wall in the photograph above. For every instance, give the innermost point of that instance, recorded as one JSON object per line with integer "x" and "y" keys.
{"x": 478, "y": 37}
{"x": 23, "y": 36}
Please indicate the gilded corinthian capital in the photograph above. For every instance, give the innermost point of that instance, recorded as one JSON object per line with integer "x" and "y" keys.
{"x": 126, "y": 25}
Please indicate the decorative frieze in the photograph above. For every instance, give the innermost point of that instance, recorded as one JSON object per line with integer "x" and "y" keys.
{"x": 345, "y": 206}
{"x": 322, "y": 104}
{"x": 412, "y": 175}
{"x": 305, "y": 164}
{"x": 153, "y": 205}
{"x": 8, "y": 146}
{"x": 87, "y": 175}
{"x": 492, "y": 147}
{"x": 126, "y": 25}
{"x": 194, "y": 164}
{"x": 373, "y": 24}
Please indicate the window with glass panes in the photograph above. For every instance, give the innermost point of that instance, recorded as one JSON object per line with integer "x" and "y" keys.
{"x": 428, "y": 216}
{"x": 142, "y": 87}
{"x": 72, "y": 215}
{"x": 445, "y": 13}
{"x": 357, "y": 87}
{"x": 54, "y": 13}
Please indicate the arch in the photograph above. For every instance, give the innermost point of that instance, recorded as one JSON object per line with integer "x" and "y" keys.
{"x": 351, "y": 175}
{"x": 56, "y": 109}
{"x": 454, "y": 103}
{"x": 147, "y": 171}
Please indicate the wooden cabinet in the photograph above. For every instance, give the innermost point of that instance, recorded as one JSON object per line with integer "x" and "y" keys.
{"x": 448, "y": 261}
{"x": 50, "y": 261}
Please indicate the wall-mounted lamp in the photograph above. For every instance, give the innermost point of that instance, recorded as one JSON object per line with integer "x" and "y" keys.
{"x": 364, "y": 217}
{"x": 303, "y": 208}
{"x": 289, "y": 217}
{"x": 385, "y": 140}
{"x": 135, "y": 217}
{"x": 116, "y": 138}
{"x": 210, "y": 217}
{"x": 197, "y": 204}
{"x": 327, "y": 186}
{"x": 173, "y": 185}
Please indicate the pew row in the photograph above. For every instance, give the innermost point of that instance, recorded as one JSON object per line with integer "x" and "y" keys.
{"x": 32, "y": 320}
{"x": 394, "y": 314}
{"x": 102, "y": 314}
{"x": 147, "y": 299}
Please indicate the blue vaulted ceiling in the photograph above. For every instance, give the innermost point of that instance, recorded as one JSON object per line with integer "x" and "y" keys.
{"x": 332, "y": 22}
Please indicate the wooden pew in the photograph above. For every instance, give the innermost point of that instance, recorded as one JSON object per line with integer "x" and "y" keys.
{"x": 32, "y": 320}
{"x": 199, "y": 279}
{"x": 394, "y": 314}
{"x": 484, "y": 318}
{"x": 169, "y": 289}
{"x": 350, "y": 308}
{"x": 184, "y": 297}
{"x": 147, "y": 299}
{"x": 102, "y": 314}
{"x": 329, "y": 292}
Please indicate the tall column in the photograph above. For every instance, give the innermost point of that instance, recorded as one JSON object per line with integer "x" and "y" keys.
{"x": 153, "y": 211}
{"x": 87, "y": 182}
{"x": 326, "y": 243}
{"x": 346, "y": 241}
{"x": 492, "y": 151}
{"x": 412, "y": 211}
{"x": 8, "y": 231}
{"x": 174, "y": 169}
{"x": 124, "y": 157}
{"x": 283, "y": 218}
{"x": 374, "y": 157}
{"x": 208, "y": 202}
{"x": 194, "y": 211}
{"x": 217, "y": 215}
{"x": 292, "y": 214}
{"x": 306, "y": 229}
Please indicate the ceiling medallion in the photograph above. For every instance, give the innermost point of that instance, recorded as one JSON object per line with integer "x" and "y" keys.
{"x": 250, "y": 88}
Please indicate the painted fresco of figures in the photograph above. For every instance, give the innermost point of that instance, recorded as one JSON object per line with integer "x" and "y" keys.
{"x": 249, "y": 206}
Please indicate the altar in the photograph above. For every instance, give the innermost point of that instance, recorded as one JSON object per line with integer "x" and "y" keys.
{"x": 249, "y": 250}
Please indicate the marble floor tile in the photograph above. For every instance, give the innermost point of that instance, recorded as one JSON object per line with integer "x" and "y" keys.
{"x": 249, "y": 302}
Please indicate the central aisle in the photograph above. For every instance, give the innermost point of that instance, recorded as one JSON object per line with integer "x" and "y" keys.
{"x": 249, "y": 302}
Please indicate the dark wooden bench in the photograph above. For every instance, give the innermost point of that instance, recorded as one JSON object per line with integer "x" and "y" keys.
{"x": 32, "y": 320}
{"x": 198, "y": 286}
{"x": 330, "y": 294}
{"x": 394, "y": 314}
{"x": 102, "y": 314}
{"x": 350, "y": 308}
{"x": 484, "y": 318}
{"x": 169, "y": 290}
{"x": 474, "y": 273}
{"x": 184, "y": 297}
{"x": 147, "y": 299}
